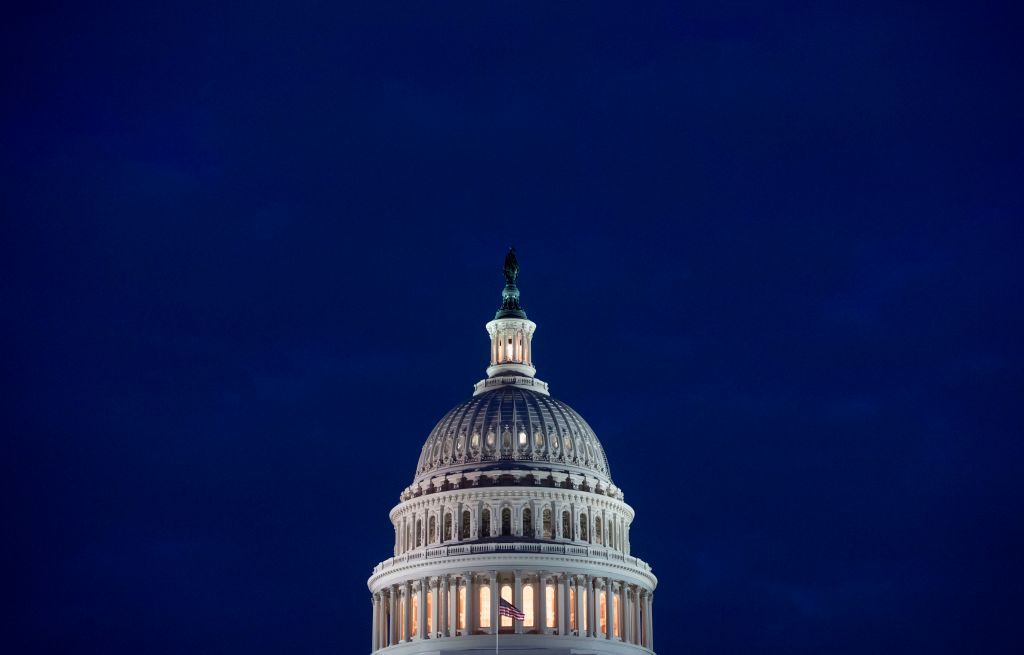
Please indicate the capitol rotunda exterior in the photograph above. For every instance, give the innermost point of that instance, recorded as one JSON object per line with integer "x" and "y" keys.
{"x": 512, "y": 499}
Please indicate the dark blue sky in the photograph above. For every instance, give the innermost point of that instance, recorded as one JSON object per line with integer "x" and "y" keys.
{"x": 774, "y": 251}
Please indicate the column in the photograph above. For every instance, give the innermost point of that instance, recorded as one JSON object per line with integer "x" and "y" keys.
{"x": 650, "y": 620}
{"x": 470, "y": 625}
{"x": 451, "y": 588}
{"x": 495, "y": 624}
{"x": 392, "y": 616}
{"x": 517, "y": 600}
{"x": 581, "y": 607}
{"x": 376, "y": 623}
{"x": 593, "y": 627}
{"x": 609, "y": 609}
{"x": 435, "y": 607}
{"x": 446, "y": 614}
{"x": 562, "y": 598}
{"x": 407, "y": 611}
{"x": 637, "y": 628}
{"x": 541, "y": 604}
{"x": 421, "y": 618}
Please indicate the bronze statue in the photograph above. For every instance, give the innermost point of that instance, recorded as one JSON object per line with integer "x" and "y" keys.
{"x": 511, "y": 267}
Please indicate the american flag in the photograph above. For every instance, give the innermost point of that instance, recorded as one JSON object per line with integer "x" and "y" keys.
{"x": 506, "y": 608}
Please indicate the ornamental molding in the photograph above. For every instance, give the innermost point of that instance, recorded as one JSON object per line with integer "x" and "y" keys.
{"x": 594, "y": 563}
{"x": 520, "y": 496}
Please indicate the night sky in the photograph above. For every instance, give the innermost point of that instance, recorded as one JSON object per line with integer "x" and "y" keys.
{"x": 773, "y": 250}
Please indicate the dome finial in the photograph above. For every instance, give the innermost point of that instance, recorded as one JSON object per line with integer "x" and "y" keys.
{"x": 510, "y": 307}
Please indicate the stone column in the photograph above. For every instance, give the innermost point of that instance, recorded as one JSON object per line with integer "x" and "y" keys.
{"x": 637, "y": 626}
{"x": 435, "y": 607}
{"x": 407, "y": 611}
{"x": 517, "y": 600}
{"x": 581, "y": 608}
{"x": 376, "y": 619}
{"x": 446, "y": 614}
{"x": 593, "y": 624}
{"x": 495, "y": 624}
{"x": 650, "y": 620}
{"x": 540, "y": 607}
{"x": 470, "y": 625}
{"x": 392, "y": 616}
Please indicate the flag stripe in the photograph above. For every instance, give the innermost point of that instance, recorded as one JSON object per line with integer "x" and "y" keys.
{"x": 506, "y": 608}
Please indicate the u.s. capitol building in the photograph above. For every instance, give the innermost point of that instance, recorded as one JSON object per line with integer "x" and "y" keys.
{"x": 513, "y": 499}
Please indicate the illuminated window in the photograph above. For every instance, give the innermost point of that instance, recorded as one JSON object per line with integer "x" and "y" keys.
{"x": 485, "y": 606}
{"x": 461, "y": 614}
{"x": 615, "y": 615}
{"x": 522, "y": 440}
{"x": 602, "y": 601}
{"x": 506, "y": 522}
{"x": 527, "y": 522}
{"x": 430, "y": 605}
{"x": 572, "y": 609}
{"x": 474, "y": 443}
{"x": 414, "y": 614}
{"x": 401, "y": 618}
{"x": 586, "y": 621}
{"x": 528, "y": 605}
{"x": 490, "y": 440}
{"x": 538, "y": 441}
{"x": 549, "y": 593}
{"x": 567, "y": 442}
{"x": 506, "y": 593}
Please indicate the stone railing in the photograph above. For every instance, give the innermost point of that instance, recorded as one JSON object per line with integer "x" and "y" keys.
{"x": 598, "y": 553}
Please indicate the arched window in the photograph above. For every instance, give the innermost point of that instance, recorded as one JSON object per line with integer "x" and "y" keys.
{"x": 506, "y": 522}
{"x": 566, "y": 526}
{"x": 506, "y": 593}
{"x": 597, "y": 529}
{"x": 448, "y": 526}
{"x": 430, "y": 605}
{"x": 485, "y": 607}
{"x": 548, "y": 528}
{"x": 586, "y": 621}
{"x": 615, "y": 615}
{"x": 572, "y": 610}
{"x": 432, "y": 531}
{"x": 419, "y": 533}
{"x": 549, "y": 592}
{"x": 465, "y": 525}
{"x": 527, "y": 522}
{"x": 414, "y": 614}
{"x": 528, "y": 605}
{"x": 401, "y": 618}
{"x": 485, "y": 524}
{"x": 461, "y": 625}
{"x": 583, "y": 527}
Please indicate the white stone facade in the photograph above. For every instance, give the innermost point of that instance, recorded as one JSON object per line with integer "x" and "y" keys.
{"x": 512, "y": 498}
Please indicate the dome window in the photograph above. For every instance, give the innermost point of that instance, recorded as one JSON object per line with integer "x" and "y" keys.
{"x": 490, "y": 440}
{"x": 460, "y": 443}
{"x": 538, "y": 441}
{"x": 475, "y": 441}
{"x": 522, "y": 440}
{"x": 567, "y": 442}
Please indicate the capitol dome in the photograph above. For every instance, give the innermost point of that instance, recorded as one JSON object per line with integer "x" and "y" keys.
{"x": 512, "y": 532}
{"x": 515, "y": 428}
